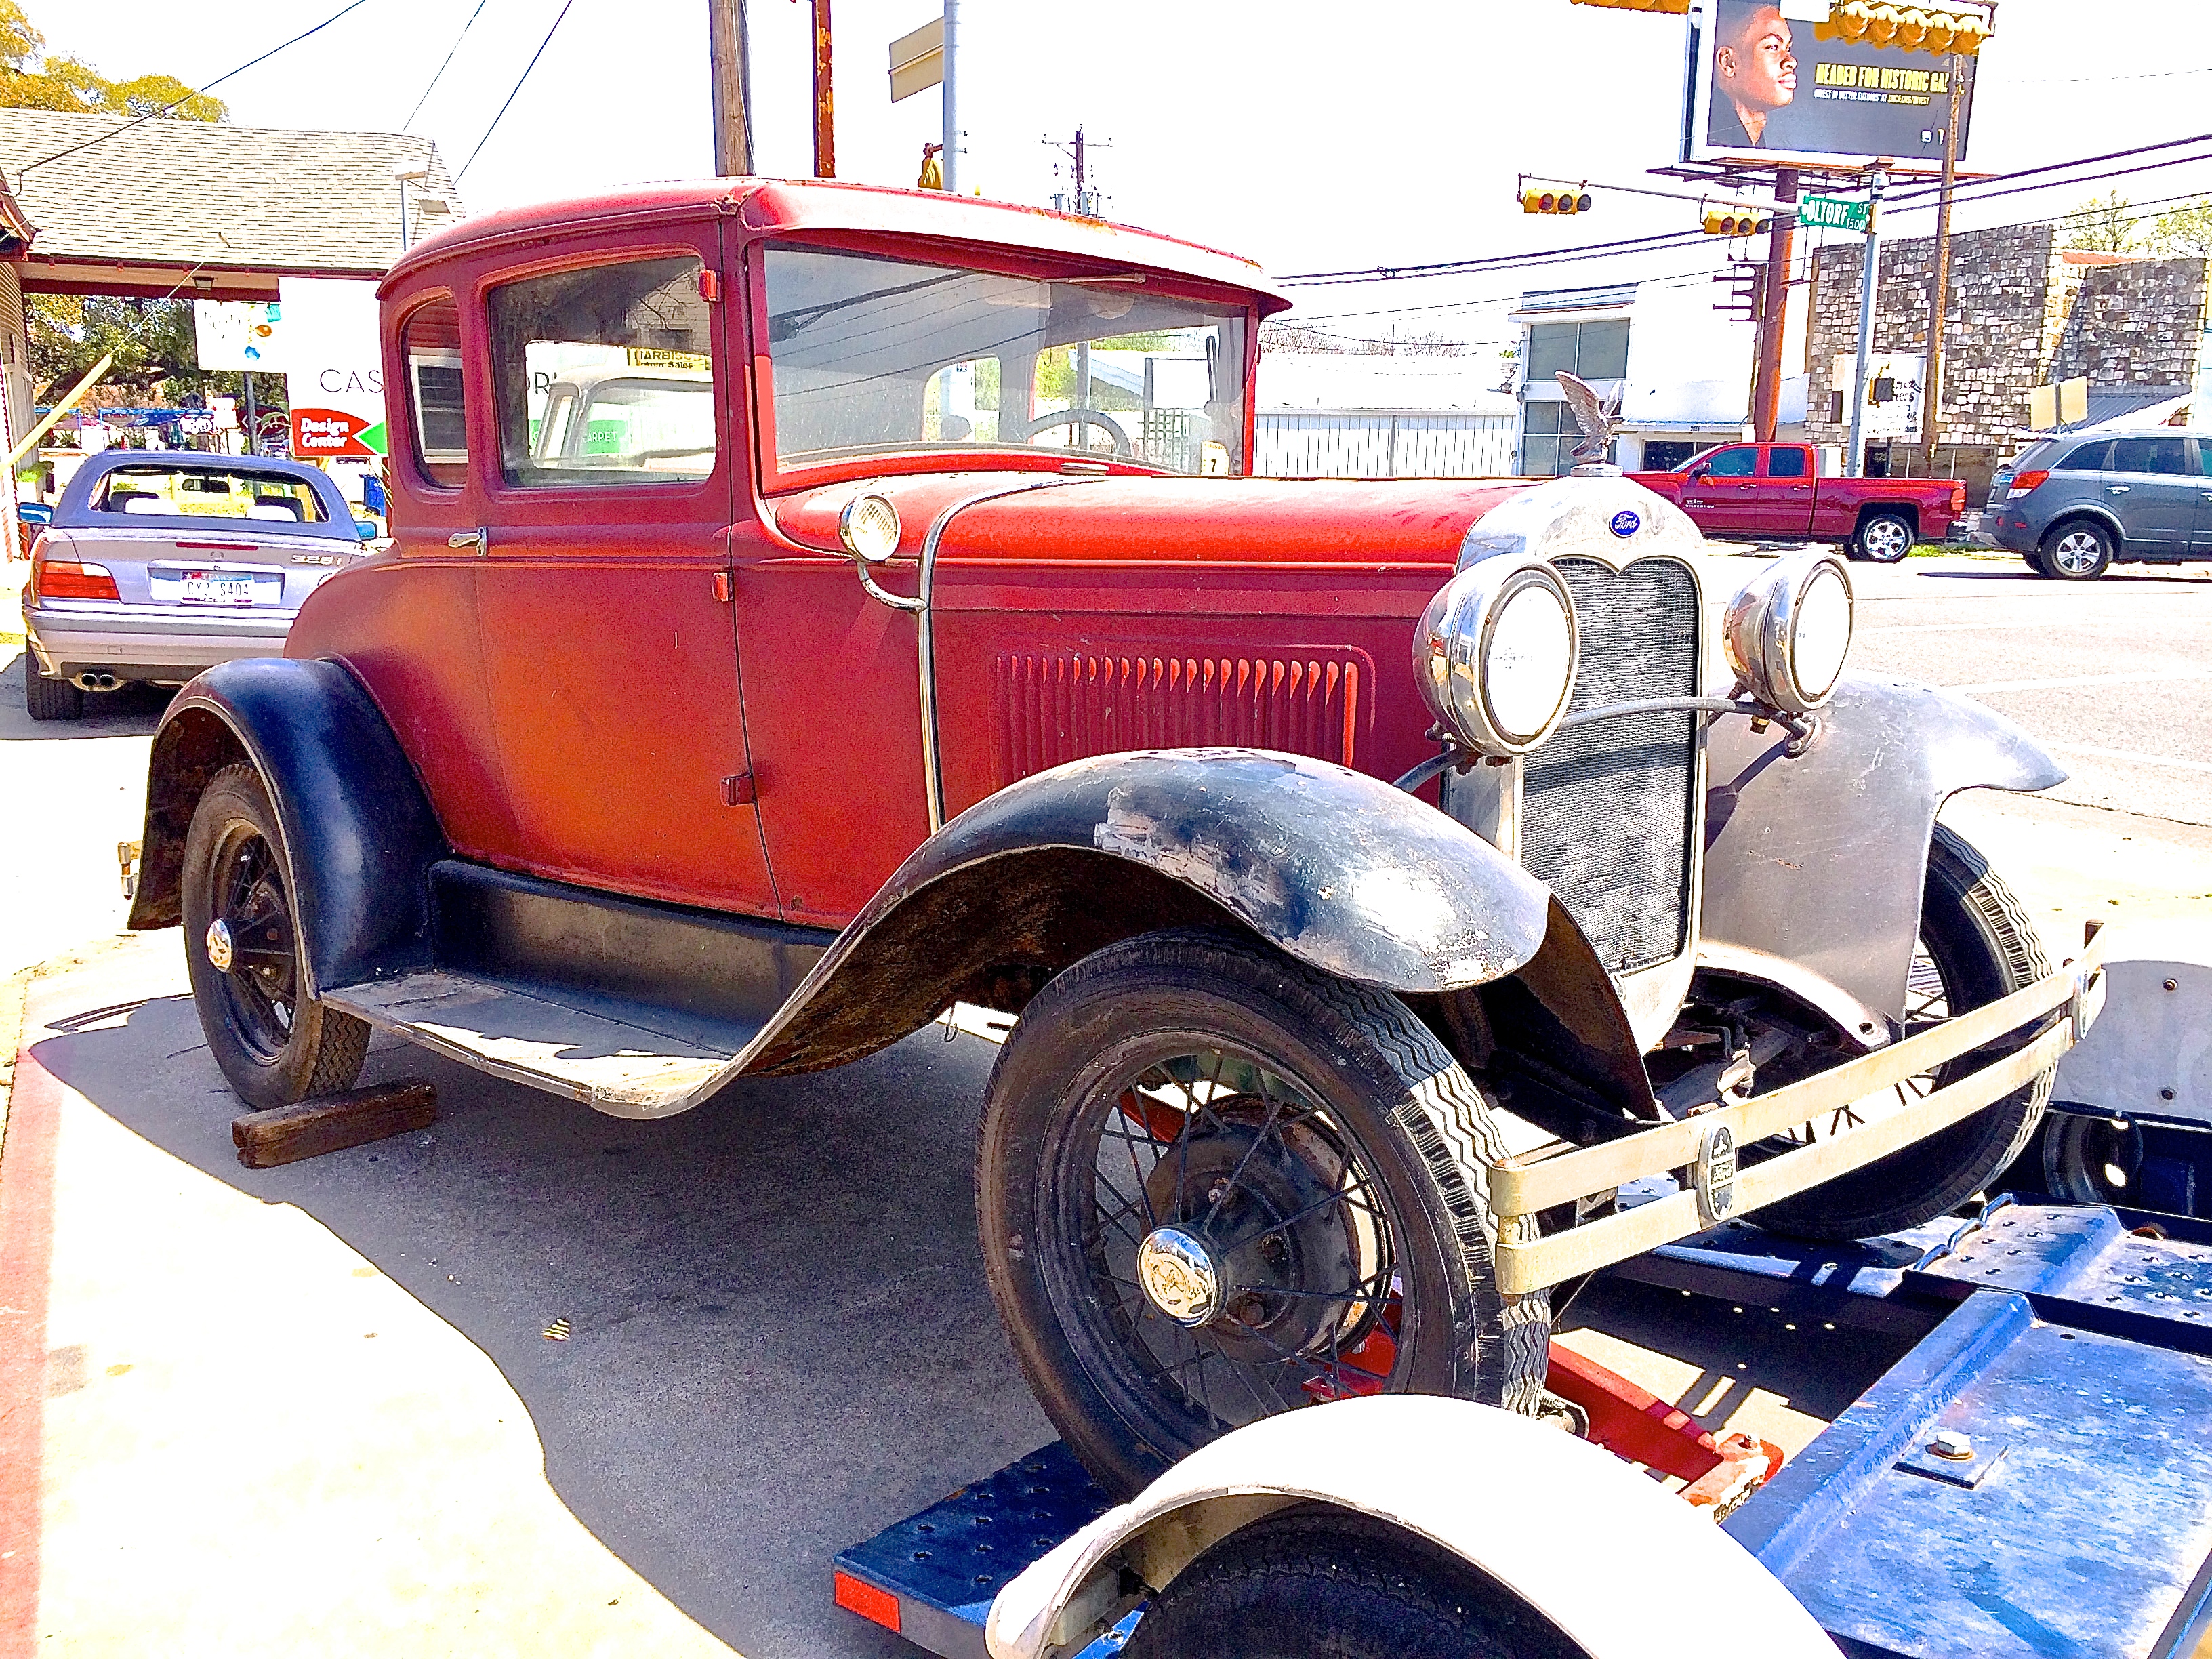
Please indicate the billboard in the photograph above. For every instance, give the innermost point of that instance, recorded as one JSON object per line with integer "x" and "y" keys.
{"x": 235, "y": 334}
{"x": 1764, "y": 88}
{"x": 334, "y": 368}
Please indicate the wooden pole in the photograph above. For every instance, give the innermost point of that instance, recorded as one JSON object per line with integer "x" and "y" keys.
{"x": 331, "y": 1123}
{"x": 1774, "y": 306}
{"x": 727, "y": 55}
{"x": 1931, "y": 373}
{"x": 825, "y": 130}
{"x": 31, "y": 439}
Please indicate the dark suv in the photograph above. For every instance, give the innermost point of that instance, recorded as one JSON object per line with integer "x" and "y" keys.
{"x": 2073, "y": 506}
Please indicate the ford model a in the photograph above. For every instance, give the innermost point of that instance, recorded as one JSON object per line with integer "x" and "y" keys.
{"x": 811, "y": 608}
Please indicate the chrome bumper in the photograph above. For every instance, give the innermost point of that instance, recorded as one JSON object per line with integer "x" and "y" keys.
{"x": 1708, "y": 1144}
{"x": 143, "y": 635}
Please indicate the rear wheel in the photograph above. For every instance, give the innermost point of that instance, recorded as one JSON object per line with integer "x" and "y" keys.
{"x": 2079, "y": 551}
{"x": 1976, "y": 946}
{"x": 48, "y": 699}
{"x": 275, "y": 1043}
{"x": 1886, "y": 537}
{"x": 1214, "y": 1185}
{"x": 1321, "y": 1581}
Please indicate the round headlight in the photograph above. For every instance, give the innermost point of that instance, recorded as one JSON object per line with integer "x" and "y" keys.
{"x": 1495, "y": 654}
{"x": 1789, "y": 631}
{"x": 869, "y": 527}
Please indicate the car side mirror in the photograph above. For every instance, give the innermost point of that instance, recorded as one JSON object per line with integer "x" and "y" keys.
{"x": 366, "y": 531}
{"x": 1697, "y": 472}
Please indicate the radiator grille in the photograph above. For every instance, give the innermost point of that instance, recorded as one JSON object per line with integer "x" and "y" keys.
{"x": 1607, "y": 809}
{"x": 1054, "y": 708}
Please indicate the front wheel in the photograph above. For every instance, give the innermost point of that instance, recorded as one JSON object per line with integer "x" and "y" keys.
{"x": 2077, "y": 552}
{"x": 275, "y": 1043}
{"x": 1213, "y": 1185}
{"x": 1976, "y": 944}
{"x": 1886, "y": 537}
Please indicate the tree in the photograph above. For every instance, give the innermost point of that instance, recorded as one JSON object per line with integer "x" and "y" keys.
{"x": 2186, "y": 231}
{"x": 155, "y": 351}
{"x": 2100, "y": 224}
{"x": 31, "y": 80}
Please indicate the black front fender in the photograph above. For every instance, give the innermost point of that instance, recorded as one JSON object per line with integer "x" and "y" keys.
{"x": 1335, "y": 868}
{"x": 359, "y": 836}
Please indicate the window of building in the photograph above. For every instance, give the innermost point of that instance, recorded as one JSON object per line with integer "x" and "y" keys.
{"x": 1595, "y": 351}
{"x": 1549, "y": 437}
{"x": 2167, "y": 455}
{"x": 431, "y": 343}
{"x": 1667, "y": 454}
{"x": 604, "y": 376}
{"x": 1787, "y": 461}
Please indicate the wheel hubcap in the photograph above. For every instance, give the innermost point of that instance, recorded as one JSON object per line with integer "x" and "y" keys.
{"x": 1887, "y": 542}
{"x": 218, "y": 946}
{"x": 2077, "y": 552}
{"x": 1178, "y": 1276}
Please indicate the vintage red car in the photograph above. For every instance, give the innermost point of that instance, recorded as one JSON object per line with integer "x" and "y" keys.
{"x": 812, "y": 607}
{"x": 1775, "y": 493}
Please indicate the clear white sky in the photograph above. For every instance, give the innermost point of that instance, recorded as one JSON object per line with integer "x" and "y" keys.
{"x": 1307, "y": 135}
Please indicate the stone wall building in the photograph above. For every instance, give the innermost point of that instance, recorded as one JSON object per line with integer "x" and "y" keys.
{"x": 2023, "y": 311}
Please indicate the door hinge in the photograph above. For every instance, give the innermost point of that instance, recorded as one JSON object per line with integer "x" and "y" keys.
{"x": 724, "y": 588}
{"x": 739, "y": 791}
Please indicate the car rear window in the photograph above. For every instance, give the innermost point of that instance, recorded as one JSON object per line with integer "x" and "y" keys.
{"x": 604, "y": 376}
{"x": 1786, "y": 462}
{"x": 2169, "y": 455}
{"x": 208, "y": 492}
{"x": 2084, "y": 458}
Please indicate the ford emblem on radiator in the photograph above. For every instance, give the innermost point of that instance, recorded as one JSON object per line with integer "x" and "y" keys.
{"x": 1626, "y": 522}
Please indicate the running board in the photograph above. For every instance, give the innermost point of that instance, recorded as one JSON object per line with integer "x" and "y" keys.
{"x": 626, "y": 1059}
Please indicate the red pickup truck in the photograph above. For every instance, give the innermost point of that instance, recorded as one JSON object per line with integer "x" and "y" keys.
{"x": 1774, "y": 492}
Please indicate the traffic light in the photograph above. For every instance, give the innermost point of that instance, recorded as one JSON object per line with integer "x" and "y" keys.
{"x": 1679, "y": 8}
{"x": 1733, "y": 221}
{"x": 1909, "y": 28}
{"x": 1555, "y": 201}
{"x": 932, "y": 171}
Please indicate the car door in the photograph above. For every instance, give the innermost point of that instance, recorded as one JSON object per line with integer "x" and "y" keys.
{"x": 2151, "y": 484}
{"x": 1781, "y": 509}
{"x": 605, "y": 585}
{"x": 1721, "y": 490}
{"x": 2201, "y": 535}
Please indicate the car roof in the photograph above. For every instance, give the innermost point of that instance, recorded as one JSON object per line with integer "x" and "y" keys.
{"x": 2099, "y": 436}
{"x": 584, "y": 379}
{"x": 800, "y": 206}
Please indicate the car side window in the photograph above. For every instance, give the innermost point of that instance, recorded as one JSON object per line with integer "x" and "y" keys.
{"x": 1739, "y": 462}
{"x": 2088, "y": 458}
{"x": 1787, "y": 461}
{"x": 430, "y": 343}
{"x": 604, "y": 376}
{"x": 2169, "y": 455}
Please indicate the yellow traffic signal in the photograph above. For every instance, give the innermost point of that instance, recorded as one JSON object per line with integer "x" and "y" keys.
{"x": 1679, "y": 8}
{"x": 932, "y": 172}
{"x": 1555, "y": 201}
{"x": 1733, "y": 221}
{"x": 1909, "y": 28}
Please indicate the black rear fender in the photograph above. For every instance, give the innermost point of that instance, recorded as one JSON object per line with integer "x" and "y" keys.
{"x": 359, "y": 835}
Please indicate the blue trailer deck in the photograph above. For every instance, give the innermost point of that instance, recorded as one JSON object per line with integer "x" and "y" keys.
{"x": 2070, "y": 1345}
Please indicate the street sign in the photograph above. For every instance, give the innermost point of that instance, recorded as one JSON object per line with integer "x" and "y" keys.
{"x": 1835, "y": 213}
{"x": 918, "y": 60}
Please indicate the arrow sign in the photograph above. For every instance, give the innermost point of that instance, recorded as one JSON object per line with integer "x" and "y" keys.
{"x": 1835, "y": 213}
{"x": 320, "y": 433}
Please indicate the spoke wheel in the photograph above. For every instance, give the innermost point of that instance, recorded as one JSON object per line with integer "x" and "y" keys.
{"x": 1213, "y": 1185}
{"x": 1976, "y": 944}
{"x": 275, "y": 1043}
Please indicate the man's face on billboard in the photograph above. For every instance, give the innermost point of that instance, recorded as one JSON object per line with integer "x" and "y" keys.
{"x": 1757, "y": 68}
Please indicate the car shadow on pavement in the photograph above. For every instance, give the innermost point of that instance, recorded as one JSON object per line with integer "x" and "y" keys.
{"x": 780, "y": 1336}
{"x": 133, "y": 712}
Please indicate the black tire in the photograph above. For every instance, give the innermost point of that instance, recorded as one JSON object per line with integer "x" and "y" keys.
{"x": 1354, "y": 1146}
{"x": 2076, "y": 551}
{"x": 48, "y": 699}
{"x": 1326, "y": 1584}
{"x": 1885, "y": 538}
{"x": 275, "y": 1045}
{"x": 2088, "y": 1160}
{"x": 1982, "y": 946}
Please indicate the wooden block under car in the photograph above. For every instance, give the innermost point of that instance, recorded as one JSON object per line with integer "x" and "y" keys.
{"x": 331, "y": 1123}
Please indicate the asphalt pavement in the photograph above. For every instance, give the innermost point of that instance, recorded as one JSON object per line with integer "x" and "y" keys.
{"x": 314, "y": 1408}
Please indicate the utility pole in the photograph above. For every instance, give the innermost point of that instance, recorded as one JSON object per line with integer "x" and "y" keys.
{"x": 1855, "y": 460}
{"x": 728, "y": 58}
{"x": 1931, "y": 373}
{"x": 949, "y": 161}
{"x": 1774, "y": 305}
{"x": 825, "y": 131}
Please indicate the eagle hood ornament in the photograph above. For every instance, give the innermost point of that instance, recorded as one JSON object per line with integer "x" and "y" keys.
{"x": 1597, "y": 420}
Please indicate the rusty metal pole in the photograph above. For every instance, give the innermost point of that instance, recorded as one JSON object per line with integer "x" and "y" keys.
{"x": 727, "y": 52}
{"x": 1774, "y": 306}
{"x": 825, "y": 129}
{"x": 1931, "y": 373}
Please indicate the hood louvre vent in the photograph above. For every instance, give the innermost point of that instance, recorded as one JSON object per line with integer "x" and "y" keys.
{"x": 1051, "y": 709}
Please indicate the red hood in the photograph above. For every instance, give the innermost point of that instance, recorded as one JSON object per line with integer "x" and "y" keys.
{"x": 1122, "y": 519}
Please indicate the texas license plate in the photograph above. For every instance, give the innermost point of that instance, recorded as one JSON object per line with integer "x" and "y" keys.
{"x": 214, "y": 587}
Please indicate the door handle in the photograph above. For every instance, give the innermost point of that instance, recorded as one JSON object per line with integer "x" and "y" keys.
{"x": 2117, "y": 489}
{"x": 1796, "y": 488}
{"x": 479, "y": 538}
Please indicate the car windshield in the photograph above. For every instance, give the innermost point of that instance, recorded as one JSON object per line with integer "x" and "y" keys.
{"x": 874, "y": 356}
{"x": 206, "y": 492}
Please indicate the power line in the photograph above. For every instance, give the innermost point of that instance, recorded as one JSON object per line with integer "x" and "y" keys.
{"x": 442, "y": 67}
{"x": 2083, "y": 79}
{"x": 524, "y": 75}
{"x": 228, "y": 74}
